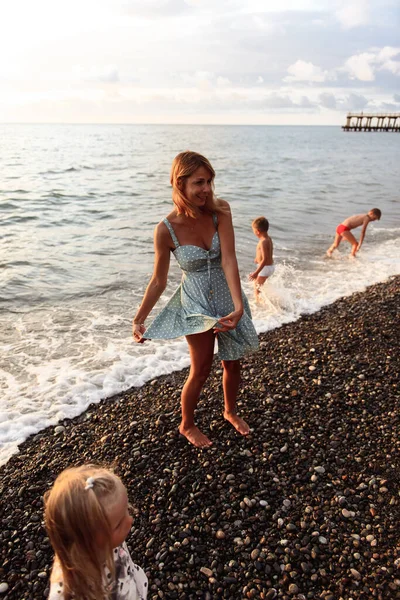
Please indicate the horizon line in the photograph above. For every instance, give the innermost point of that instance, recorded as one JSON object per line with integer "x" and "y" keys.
{"x": 173, "y": 124}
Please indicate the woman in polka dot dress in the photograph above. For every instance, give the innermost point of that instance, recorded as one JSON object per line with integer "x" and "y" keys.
{"x": 209, "y": 302}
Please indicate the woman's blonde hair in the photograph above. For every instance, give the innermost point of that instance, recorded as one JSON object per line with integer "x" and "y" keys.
{"x": 75, "y": 518}
{"x": 183, "y": 166}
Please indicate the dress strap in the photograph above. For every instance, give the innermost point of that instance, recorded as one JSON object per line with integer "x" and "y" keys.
{"x": 215, "y": 219}
{"x": 172, "y": 232}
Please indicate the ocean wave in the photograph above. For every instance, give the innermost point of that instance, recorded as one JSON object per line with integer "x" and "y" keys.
{"x": 8, "y": 205}
{"x": 60, "y": 171}
{"x": 16, "y": 191}
{"x": 16, "y": 219}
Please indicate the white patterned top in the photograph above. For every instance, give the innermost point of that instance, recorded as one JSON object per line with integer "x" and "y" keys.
{"x": 130, "y": 580}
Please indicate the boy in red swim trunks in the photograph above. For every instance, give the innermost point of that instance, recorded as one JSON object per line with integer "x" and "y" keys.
{"x": 343, "y": 231}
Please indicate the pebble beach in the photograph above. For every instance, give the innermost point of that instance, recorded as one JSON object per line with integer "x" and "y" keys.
{"x": 305, "y": 507}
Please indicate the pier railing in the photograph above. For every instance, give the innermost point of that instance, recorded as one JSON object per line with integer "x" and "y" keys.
{"x": 372, "y": 122}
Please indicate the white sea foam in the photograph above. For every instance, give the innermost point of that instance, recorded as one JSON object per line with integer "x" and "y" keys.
{"x": 66, "y": 361}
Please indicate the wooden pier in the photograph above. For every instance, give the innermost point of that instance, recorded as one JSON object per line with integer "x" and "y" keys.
{"x": 372, "y": 122}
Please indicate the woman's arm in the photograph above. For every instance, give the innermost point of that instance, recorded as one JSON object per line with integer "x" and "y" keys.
{"x": 230, "y": 268}
{"x": 158, "y": 281}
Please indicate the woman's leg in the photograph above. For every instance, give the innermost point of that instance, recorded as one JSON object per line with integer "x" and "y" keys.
{"x": 201, "y": 348}
{"x": 231, "y": 381}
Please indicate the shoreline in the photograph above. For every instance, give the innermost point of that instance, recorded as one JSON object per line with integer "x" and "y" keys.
{"x": 290, "y": 508}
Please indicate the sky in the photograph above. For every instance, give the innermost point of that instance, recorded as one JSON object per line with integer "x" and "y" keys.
{"x": 294, "y": 62}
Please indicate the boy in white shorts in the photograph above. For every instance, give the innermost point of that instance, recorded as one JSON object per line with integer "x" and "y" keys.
{"x": 264, "y": 255}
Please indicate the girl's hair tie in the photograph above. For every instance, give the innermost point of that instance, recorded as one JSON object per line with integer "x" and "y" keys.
{"x": 89, "y": 483}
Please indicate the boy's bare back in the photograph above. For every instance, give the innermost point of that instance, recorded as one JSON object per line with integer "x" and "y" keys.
{"x": 356, "y": 220}
{"x": 264, "y": 250}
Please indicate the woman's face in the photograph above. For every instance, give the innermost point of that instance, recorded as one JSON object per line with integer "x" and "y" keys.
{"x": 198, "y": 187}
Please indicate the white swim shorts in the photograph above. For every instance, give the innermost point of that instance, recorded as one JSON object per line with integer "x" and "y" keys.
{"x": 267, "y": 271}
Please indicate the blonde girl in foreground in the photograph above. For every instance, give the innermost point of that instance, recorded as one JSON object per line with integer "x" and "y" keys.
{"x": 87, "y": 519}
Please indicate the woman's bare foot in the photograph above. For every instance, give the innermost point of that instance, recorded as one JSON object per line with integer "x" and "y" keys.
{"x": 239, "y": 424}
{"x": 195, "y": 437}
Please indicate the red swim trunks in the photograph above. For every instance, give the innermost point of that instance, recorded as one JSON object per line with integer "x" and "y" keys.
{"x": 340, "y": 228}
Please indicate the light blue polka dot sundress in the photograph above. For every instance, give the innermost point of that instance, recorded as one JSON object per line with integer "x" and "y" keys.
{"x": 202, "y": 298}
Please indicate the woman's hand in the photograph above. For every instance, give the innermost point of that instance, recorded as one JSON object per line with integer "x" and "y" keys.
{"x": 138, "y": 330}
{"x": 229, "y": 322}
{"x": 253, "y": 276}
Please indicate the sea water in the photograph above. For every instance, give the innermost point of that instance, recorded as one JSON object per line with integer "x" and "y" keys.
{"x": 78, "y": 207}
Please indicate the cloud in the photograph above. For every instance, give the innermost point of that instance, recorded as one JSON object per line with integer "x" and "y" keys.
{"x": 110, "y": 75}
{"x": 257, "y": 24}
{"x": 277, "y": 101}
{"x": 352, "y": 13}
{"x": 305, "y": 102}
{"x": 327, "y": 100}
{"x": 99, "y": 74}
{"x": 354, "y": 102}
{"x": 306, "y": 71}
{"x": 183, "y": 57}
{"x": 154, "y": 9}
{"x": 361, "y": 66}
{"x": 284, "y": 101}
{"x": 389, "y": 106}
{"x": 223, "y": 81}
{"x": 204, "y": 80}
{"x": 386, "y": 56}
{"x": 347, "y": 102}
{"x": 364, "y": 66}
{"x": 343, "y": 102}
